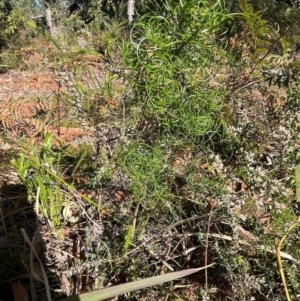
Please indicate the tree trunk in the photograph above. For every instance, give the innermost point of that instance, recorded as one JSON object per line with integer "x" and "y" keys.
{"x": 130, "y": 11}
{"x": 49, "y": 22}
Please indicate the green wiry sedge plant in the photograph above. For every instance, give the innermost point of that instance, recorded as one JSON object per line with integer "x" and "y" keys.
{"x": 279, "y": 245}
{"x": 171, "y": 57}
{"x": 148, "y": 169}
{"x": 132, "y": 286}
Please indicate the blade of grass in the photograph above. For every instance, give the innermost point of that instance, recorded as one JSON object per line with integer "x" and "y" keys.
{"x": 81, "y": 158}
{"x": 132, "y": 286}
{"x": 128, "y": 238}
{"x": 33, "y": 252}
{"x": 55, "y": 43}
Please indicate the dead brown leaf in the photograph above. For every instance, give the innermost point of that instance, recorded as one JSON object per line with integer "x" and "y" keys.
{"x": 256, "y": 95}
{"x": 19, "y": 291}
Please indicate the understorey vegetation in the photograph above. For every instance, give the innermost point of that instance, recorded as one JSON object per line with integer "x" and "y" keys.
{"x": 129, "y": 151}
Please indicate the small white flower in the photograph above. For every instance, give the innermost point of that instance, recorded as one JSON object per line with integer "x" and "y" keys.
{"x": 249, "y": 157}
{"x": 218, "y": 164}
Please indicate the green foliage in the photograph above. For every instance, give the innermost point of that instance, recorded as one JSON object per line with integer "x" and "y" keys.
{"x": 41, "y": 174}
{"x": 16, "y": 20}
{"x": 5, "y": 9}
{"x": 128, "y": 238}
{"x": 109, "y": 292}
{"x": 169, "y": 58}
{"x": 167, "y": 169}
{"x": 15, "y": 16}
{"x": 259, "y": 34}
{"x": 149, "y": 172}
{"x": 35, "y": 173}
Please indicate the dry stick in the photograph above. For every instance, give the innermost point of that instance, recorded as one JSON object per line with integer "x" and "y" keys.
{"x": 58, "y": 106}
{"x": 3, "y": 223}
{"x": 136, "y": 211}
{"x": 245, "y": 86}
{"x": 187, "y": 220}
{"x": 280, "y": 267}
{"x": 206, "y": 242}
{"x": 33, "y": 253}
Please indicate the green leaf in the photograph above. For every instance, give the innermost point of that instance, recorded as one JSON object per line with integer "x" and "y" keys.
{"x": 132, "y": 286}
{"x": 128, "y": 238}
{"x": 48, "y": 142}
